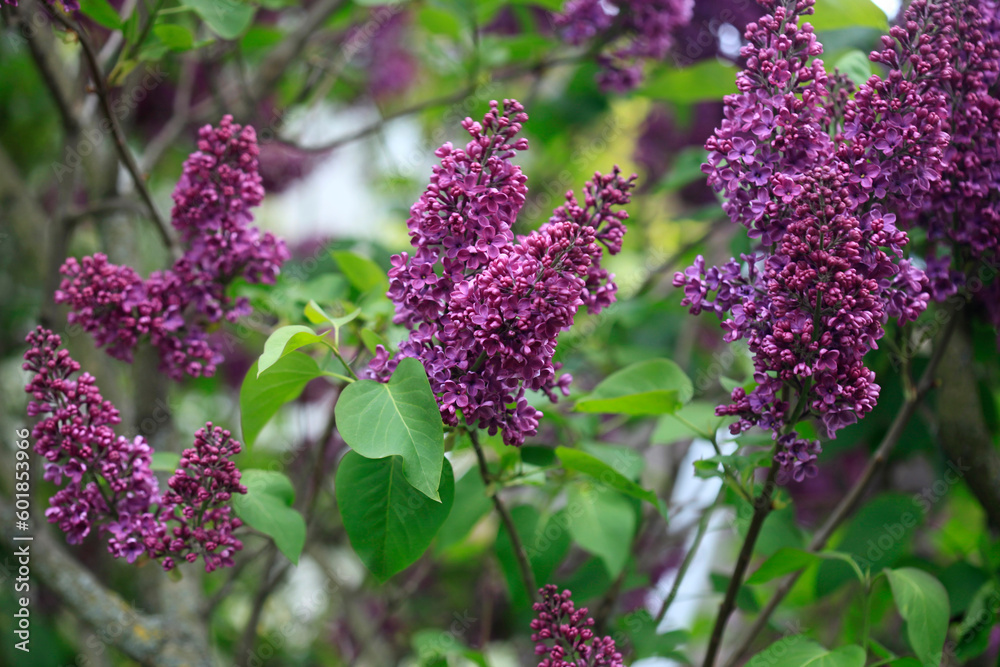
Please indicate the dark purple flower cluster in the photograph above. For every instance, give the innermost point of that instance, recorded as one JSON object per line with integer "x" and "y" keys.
{"x": 813, "y": 174}
{"x": 562, "y": 633}
{"x": 630, "y": 31}
{"x": 76, "y": 437}
{"x": 485, "y": 308}
{"x": 963, "y": 215}
{"x": 175, "y": 308}
{"x": 198, "y": 503}
{"x": 109, "y": 481}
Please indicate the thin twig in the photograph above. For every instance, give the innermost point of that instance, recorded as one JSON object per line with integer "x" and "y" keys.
{"x": 762, "y": 507}
{"x": 844, "y": 508}
{"x": 689, "y": 556}
{"x": 527, "y": 576}
{"x": 249, "y": 638}
{"x": 119, "y": 136}
{"x": 46, "y": 62}
{"x": 234, "y": 573}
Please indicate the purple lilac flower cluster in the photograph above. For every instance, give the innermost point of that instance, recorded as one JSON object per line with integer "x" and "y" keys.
{"x": 563, "y": 634}
{"x": 198, "y": 503}
{"x": 630, "y": 32}
{"x": 485, "y": 308}
{"x": 175, "y": 308}
{"x": 109, "y": 481}
{"x": 963, "y": 215}
{"x": 813, "y": 174}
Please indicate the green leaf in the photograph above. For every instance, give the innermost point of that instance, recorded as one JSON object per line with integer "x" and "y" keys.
{"x": 317, "y": 315}
{"x": 837, "y": 14}
{"x": 653, "y": 387}
{"x": 573, "y": 459}
{"x": 784, "y": 561}
{"x": 399, "y": 418}
{"x": 262, "y": 396}
{"x": 974, "y": 631}
{"x": 165, "y": 461}
{"x": 875, "y": 537}
{"x": 798, "y": 651}
{"x": 686, "y": 168}
{"x": 471, "y": 505}
{"x": 364, "y": 274}
{"x": 175, "y": 37}
{"x": 390, "y": 524}
{"x": 267, "y": 507}
{"x": 102, "y": 13}
{"x": 697, "y": 419}
{"x": 923, "y": 603}
{"x": 856, "y": 66}
{"x": 440, "y": 22}
{"x": 372, "y": 340}
{"x": 226, "y": 18}
{"x": 285, "y": 341}
{"x": 703, "y": 81}
{"x": 545, "y": 542}
{"x": 602, "y": 522}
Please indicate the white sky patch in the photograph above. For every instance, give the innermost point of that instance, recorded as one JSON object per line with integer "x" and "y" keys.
{"x": 890, "y": 7}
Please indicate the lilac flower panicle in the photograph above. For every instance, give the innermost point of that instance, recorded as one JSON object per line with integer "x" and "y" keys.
{"x": 107, "y": 480}
{"x": 177, "y": 307}
{"x": 814, "y": 175}
{"x": 75, "y": 435}
{"x": 485, "y": 307}
{"x": 962, "y": 217}
{"x": 198, "y": 503}
{"x": 562, "y": 633}
{"x": 635, "y": 30}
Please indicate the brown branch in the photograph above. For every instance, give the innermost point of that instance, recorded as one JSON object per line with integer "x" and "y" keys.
{"x": 847, "y": 504}
{"x": 157, "y": 641}
{"x": 249, "y": 638}
{"x": 527, "y": 576}
{"x": 965, "y": 437}
{"x": 762, "y": 507}
{"x": 104, "y": 97}
{"x": 689, "y": 556}
{"x": 48, "y": 64}
{"x": 278, "y": 60}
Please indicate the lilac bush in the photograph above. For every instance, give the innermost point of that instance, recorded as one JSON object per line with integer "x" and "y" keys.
{"x": 176, "y": 308}
{"x": 107, "y": 480}
{"x": 485, "y": 307}
{"x": 816, "y": 176}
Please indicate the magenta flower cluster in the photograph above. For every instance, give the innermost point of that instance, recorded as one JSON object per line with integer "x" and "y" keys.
{"x": 107, "y": 480}
{"x": 816, "y": 175}
{"x": 627, "y": 33}
{"x": 197, "y": 504}
{"x": 563, "y": 634}
{"x": 962, "y": 218}
{"x": 485, "y": 307}
{"x": 177, "y": 307}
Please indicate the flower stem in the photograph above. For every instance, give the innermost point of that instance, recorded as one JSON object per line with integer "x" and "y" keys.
{"x": 527, "y": 576}
{"x": 762, "y": 507}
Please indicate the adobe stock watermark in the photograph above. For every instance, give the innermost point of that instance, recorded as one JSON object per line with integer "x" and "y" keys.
{"x": 22, "y": 539}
